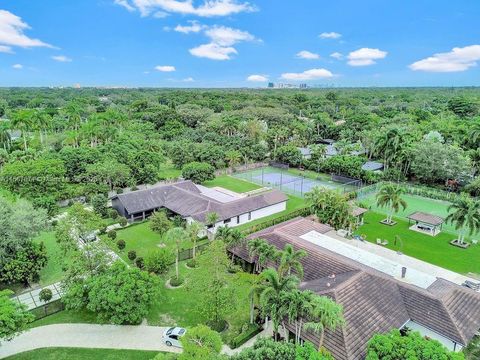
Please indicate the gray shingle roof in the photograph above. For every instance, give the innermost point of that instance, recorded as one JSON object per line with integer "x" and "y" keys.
{"x": 426, "y": 218}
{"x": 373, "y": 302}
{"x": 185, "y": 199}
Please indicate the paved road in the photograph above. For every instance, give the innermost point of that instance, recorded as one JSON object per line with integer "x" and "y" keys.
{"x": 88, "y": 336}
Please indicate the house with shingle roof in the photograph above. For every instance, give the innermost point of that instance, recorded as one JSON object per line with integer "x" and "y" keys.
{"x": 374, "y": 301}
{"x": 194, "y": 202}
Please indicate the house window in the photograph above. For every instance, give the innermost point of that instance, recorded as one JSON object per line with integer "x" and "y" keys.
{"x": 249, "y": 216}
{"x": 227, "y": 221}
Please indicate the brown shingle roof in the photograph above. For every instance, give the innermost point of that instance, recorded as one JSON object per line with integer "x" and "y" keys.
{"x": 373, "y": 302}
{"x": 185, "y": 199}
{"x": 426, "y": 218}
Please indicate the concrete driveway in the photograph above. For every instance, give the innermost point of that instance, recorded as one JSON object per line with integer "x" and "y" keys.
{"x": 88, "y": 336}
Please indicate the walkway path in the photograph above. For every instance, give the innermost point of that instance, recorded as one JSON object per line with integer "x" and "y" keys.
{"x": 141, "y": 337}
{"x": 88, "y": 336}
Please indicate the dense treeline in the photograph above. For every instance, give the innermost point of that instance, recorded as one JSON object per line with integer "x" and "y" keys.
{"x": 62, "y": 143}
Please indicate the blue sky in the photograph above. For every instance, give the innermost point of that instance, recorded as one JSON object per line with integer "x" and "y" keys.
{"x": 233, "y": 43}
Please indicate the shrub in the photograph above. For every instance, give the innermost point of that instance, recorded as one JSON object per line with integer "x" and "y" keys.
{"x": 112, "y": 213}
{"x": 249, "y": 332}
{"x": 139, "y": 262}
{"x": 174, "y": 281}
{"x": 132, "y": 255}
{"x": 121, "y": 244}
{"x": 192, "y": 263}
{"x": 45, "y": 295}
{"x": 159, "y": 261}
{"x": 123, "y": 222}
{"x": 198, "y": 172}
{"x": 54, "y": 223}
{"x": 119, "y": 190}
{"x": 134, "y": 188}
{"x": 112, "y": 234}
{"x": 99, "y": 204}
{"x": 102, "y": 230}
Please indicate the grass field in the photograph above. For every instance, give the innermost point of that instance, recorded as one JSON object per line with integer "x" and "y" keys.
{"x": 84, "y": 354}
{"x": 293, "y": 203}
{"x": 67, "y": 317}
{"x": 415, "y": 203}
{"x": 180, "y": 306}
{"x": 433, "y": 249}
{"x": 52, "y": 272}
{"x": 142, "y": 239}
{"x": 168, "y": 171}
{"x": 231, "y": 183}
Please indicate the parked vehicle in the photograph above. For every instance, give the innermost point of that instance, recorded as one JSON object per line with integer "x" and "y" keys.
{"x": 172, "y": 336}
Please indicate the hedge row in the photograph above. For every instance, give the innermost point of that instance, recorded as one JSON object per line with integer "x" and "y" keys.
{"x": 263, "y": 225}
{"x": 241, "y": 339}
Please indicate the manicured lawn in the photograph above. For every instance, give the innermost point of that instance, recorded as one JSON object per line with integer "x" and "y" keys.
{"x": 415, "y": 203}
{"x": 52, "y": 272}
{"x": 168, "y": 171}
{"x": 180, "y": 306}
{"x": 142, "y": 239}
{"x": 67, "y": 317}
{"x": 293, "y": 203}
{"x": 84, "y": 354}
{"x": 435, "y": 250}
{"x": 231, "y": 183}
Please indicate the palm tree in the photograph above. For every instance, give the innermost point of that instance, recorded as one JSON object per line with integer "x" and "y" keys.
{"x": 22, "y": 120}
{"x": 212, "y": 218}
{"x": 40, "y": 122}
{"x": 193, "y": 229}
{"x": 233, "y": 157}
{"x": 5, "y": 135}
{"x": 465, "y": 214}
{"x": 272, "y": 296}
{"x": 299, "y": 306}
{"x": 326, "y": 314}
{"x": 176, "y": 235}
{"x": 230, "y": 236}
{"x": 390, "y": 195}
{"x": 264, "y": 252}
{"x": 290, "y": 259}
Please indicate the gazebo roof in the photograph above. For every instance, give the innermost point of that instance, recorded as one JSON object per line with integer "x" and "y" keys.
{"x": 426, "y": 218}
{"x": 357, "y": 211}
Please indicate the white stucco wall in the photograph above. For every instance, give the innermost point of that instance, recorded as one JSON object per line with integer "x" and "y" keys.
{"x": 449, "y": 344}
{"x": 256, "y": 214}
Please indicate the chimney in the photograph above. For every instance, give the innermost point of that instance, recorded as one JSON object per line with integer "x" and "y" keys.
{"x": 404, "y": 271}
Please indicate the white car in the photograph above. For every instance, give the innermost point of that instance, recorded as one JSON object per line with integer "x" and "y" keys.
{"x": 172, "y": 336}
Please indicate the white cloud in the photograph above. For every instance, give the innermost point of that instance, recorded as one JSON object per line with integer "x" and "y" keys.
{"x": 213, "y": 51}
{"x": 194, "y": 27}
{"x": 61, "y": 58}
{"x": 160, "y": 14}
{"x": 125, "y": 4}
{"x": 225, "y": 36}
{"x": 11, "y": 32}
{"x": 222, "y": 39}
{"x": 330, "y": 35}
{"x": 336, "y": 55}
{"x": 257, "y": 78}
{"x": 311, "y": 74}
{"x": 165, "y": 68}
{"x": 17, "y": 66}
{"x": 304, "y": 54}
{"x": 6, "y": 49}
{"x": 188, "y": 79}
{"x": 209, "y": 8}
{"x": 365, "y": 56}
{"x": 458, "y": 59}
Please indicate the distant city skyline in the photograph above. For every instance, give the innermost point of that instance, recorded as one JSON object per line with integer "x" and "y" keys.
{"x": 234, "y": 43}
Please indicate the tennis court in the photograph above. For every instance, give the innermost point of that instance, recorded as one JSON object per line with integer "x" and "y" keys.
{"x": 295, "y": 184}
